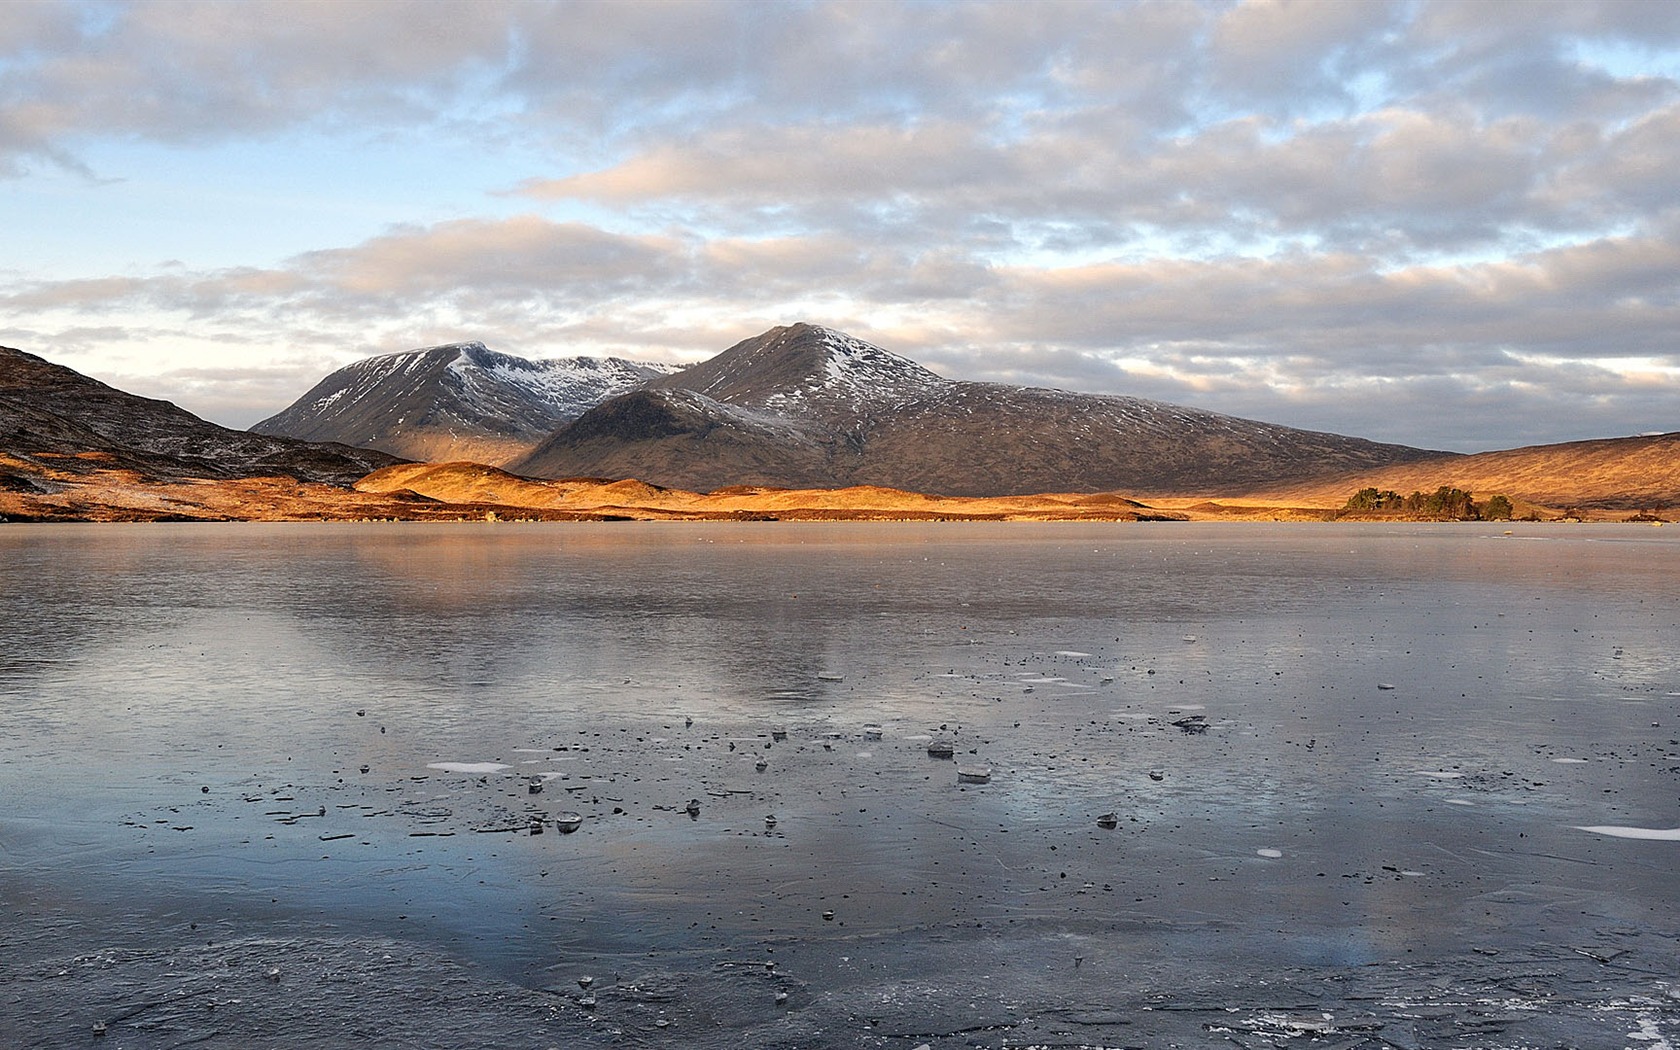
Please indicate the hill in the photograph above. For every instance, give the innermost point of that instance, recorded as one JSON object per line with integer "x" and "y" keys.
{"x": 1630, "y": 473}
{"x": 806, "y": 406}
{"x": 52, "y": 417}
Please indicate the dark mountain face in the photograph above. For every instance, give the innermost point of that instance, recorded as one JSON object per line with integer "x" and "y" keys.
{"x": 807, "y": 406}
{"x": 52, "y": 414}
{"x": 459, "y": 401}
{"x": 712, "y": 444}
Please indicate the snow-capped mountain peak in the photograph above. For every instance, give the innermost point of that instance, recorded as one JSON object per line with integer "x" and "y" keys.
{"x": 460, "y": 400}
{"x": 807, "y": 367}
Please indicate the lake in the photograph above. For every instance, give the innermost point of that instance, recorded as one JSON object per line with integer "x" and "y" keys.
{"x": 274, "y": 785}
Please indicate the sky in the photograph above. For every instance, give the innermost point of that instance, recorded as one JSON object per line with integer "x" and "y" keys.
{"x": 1453, "y": 225}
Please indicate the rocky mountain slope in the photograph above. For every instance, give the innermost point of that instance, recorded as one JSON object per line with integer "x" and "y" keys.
{"x": 54, "y": 419}
{"x": 806, "y": 406}
{"x": 459, "y": 401}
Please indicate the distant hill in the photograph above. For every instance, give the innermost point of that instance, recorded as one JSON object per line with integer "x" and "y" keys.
{"x": 453, "y": 402}
{"x": 1611, "y": 473}
{"x": 805, "y": 406}
{"x": 54, "y": 419}
{"x": 478, "y": 485}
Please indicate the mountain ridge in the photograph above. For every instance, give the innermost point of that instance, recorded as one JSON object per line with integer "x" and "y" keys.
{"x": 453, "y": 401}
{"x": 807, "y": 406}
{"x": 51, "y": 415}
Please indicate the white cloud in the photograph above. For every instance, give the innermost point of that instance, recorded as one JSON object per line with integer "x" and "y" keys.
{"x": 1461, "y": 211}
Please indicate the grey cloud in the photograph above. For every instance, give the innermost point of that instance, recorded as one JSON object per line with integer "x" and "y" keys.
{"x": 1520, "y": 403}
{"x": 193, "y": 71}
{"x": 1519, "y": 56}
{"x": 1333, "y": 313}
{"x": 1395, "y": 181}
{"x": 467, "y": 267}
{"x": 1293, "y": 51}
{"x": 1629, "y": 170}
{"x": 584, "y": 74}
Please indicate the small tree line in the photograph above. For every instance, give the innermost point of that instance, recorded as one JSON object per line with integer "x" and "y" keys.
{"x": 1444, "y": 504}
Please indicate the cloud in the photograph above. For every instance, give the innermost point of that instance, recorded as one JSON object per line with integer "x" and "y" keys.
{"x": 1279, "y": 52}
{"x": 1393, "y": 181}
{"x": 1292, "y": 336}
{"x": 1274, "y": 208}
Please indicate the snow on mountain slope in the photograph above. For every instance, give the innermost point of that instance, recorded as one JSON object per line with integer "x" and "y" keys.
{"x": 456, "y": 401}
{"x": 807, "y": 369}
{"x": 830, "y": 410}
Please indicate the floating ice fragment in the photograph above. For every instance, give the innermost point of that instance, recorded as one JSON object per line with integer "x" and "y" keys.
{"x": 1385, "y": 686}
{"x": 1569, "y": 761}
{"x": 1617, "y": 831}
{"x": 568, "y": 822}
{"x": 1192, "y": 724}
{"x": 940, "y": 749}
{"x": 467, "y": 767}
{"x": 1269, "y": 852}
{"x": 1070, "y": 652}
{"x": 974, "y": 774}
{"x": 1108, "y": 821}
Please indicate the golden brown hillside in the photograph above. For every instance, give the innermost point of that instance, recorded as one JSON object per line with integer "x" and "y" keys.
{"x": 479, "y": 485}
{"x": 1615, "y": 474}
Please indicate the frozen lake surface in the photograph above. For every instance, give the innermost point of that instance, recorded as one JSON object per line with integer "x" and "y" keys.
{"x": 1370, "y": 786}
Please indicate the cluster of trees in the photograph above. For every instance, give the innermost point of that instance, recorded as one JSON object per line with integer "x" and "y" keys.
{"x": 1444, "y": 504}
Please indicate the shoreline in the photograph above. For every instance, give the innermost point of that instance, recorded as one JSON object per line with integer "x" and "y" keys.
{"x": 464, "y": 492}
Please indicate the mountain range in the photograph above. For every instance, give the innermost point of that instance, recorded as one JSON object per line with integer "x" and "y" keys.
{"x": 796, "y": 406}
{"x": 804, "y": 406}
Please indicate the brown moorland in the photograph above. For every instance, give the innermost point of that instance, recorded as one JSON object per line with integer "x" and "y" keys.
{"x": 1607, "y": 475}
{"x": 89, "y": 490}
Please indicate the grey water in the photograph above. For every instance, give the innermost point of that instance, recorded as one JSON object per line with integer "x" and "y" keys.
{"x": 274, "y": 785}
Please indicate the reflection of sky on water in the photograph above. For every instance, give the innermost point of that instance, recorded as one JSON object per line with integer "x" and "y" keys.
{"x": 143, "y": 663}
